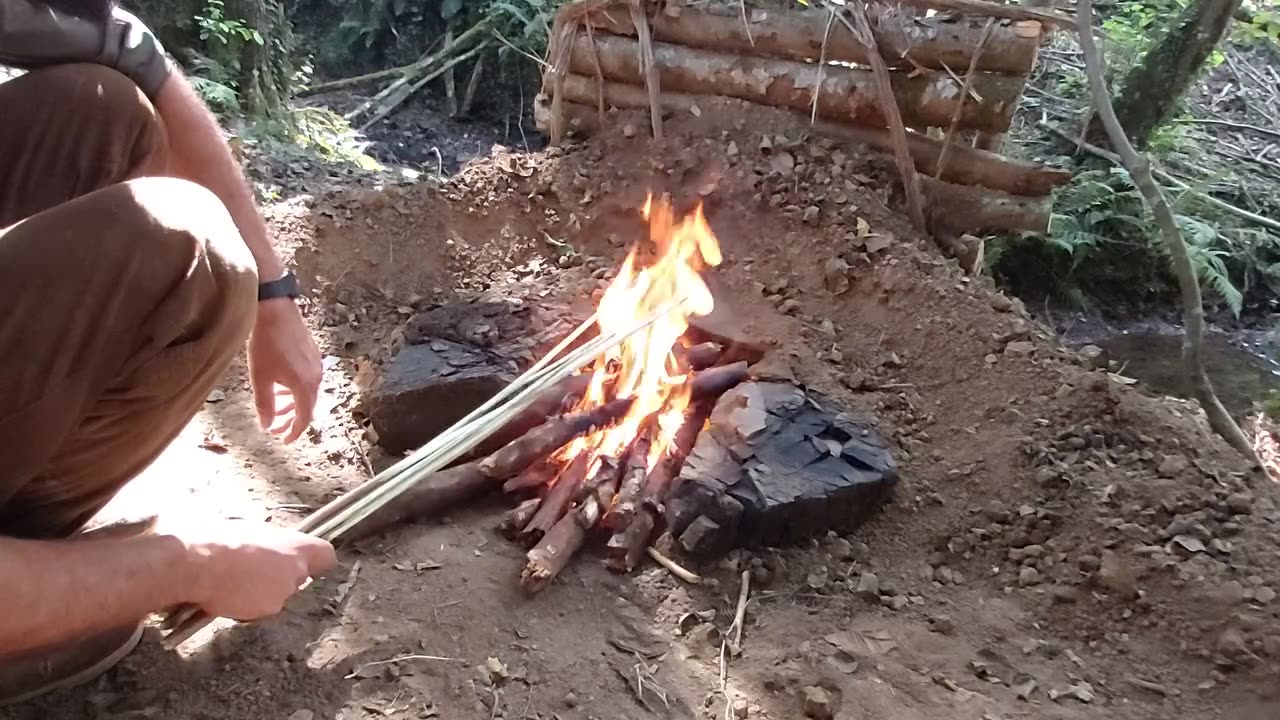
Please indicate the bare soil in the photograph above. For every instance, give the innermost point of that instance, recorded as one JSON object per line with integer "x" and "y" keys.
{"x": 1029, "y": 549}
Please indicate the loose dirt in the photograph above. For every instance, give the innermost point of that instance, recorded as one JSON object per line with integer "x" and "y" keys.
{"x": 1057, "y": 533}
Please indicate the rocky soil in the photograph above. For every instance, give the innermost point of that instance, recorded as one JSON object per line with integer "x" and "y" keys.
{"x": 1063, "y": 544}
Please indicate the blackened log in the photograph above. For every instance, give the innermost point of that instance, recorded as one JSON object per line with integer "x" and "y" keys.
{"x": 557, "y": 400}
{"x": 556, "y": 501}
{"x": 549, "y": 437}
{"x": 552, "y": 554}
{"x": 702, "y": 356}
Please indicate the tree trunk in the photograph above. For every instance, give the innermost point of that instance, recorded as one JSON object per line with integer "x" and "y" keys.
{"x": 266, "y": 68}
{"x": 1153, "y": 87}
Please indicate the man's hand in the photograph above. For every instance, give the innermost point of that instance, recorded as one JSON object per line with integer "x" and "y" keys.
{"x": 283, "y": 353}
{"x": 248, "y": 571}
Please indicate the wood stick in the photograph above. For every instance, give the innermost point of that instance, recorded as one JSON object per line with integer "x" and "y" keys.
{"x": 848, "y": 95}
{"x": 550, "y": 436}
{"x": 1139, "y": 168}
{"x": 982, "y": 8}
{"x": 647, "y": 65}
{"x": 534, "y": 476}
{"x": 897, "y": 130}
{"x": 932, "y": 42}
{"x": 552, "y": 554}
{"x": 514, "y": 520}
{"x": 469, "y": 97}
{"x": 967, "y": 165}
{"x": 450, "y": 84}
{"x": 633, "y": 477}
{"x": 412, "y": 72}
{"x": 556, "y": 502}
{"x": 404, "y": 93}
{"x": 702, "y": 355}
{"x": 967, "y": 209}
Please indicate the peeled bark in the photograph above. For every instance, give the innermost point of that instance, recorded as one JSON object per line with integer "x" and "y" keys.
{"x": 904, "y": 41}
{"x": 926, "y": 99}
{"x": 967, "y": 209}
{"x": 965, "y": 165}
{"x": 1154, "y": 86}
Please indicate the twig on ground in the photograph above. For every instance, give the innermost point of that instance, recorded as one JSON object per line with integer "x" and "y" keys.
{"x": 671, "y": 565}
{"x": 742, "y": 7}
{"x": 1228, "y": 123}
{"x": 402, "y": 658}
{"x": 1140, "y": 170}
{"x": 735, "y": 630}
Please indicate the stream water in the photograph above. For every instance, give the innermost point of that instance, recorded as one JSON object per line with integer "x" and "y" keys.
{"x": 1241, "y": 364}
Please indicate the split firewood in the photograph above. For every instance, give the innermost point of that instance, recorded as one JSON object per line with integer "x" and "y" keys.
{"x": 556, "y": 502}
{"x": 926, "y": 98}
{"x": 965, "y": 165}
{"x": 929, "y": 42}
{"x": 532, "y": 477}
{"x": 552, "y": 554}
{"x": 513, "y": 521}
{"x": 633, "y": 477}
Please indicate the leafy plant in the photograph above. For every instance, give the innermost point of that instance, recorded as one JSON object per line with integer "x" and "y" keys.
{"x": 214, "y": 24}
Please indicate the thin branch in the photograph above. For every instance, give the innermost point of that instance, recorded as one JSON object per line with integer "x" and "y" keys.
{"x": 822, "y": 63}
{"x": 966, "y": 88}
{"x": 402, "y": 658}
{"x": 1140, "y": 170}
{"x": 1228, "y": 123}
{"x": 893, "y": 116}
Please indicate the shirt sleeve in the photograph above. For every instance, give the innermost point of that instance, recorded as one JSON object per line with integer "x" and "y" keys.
{"x": 33, "y": 34}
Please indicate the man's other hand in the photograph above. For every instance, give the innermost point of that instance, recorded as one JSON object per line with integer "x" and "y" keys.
{"x": 246, "y": 571}
{"x": 284, "y": 368}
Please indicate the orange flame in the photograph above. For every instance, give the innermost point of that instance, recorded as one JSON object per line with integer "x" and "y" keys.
{"x": 643, "y": 367}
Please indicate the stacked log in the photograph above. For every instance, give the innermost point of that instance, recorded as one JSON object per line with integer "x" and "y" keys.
{"x": 811, "y": 64}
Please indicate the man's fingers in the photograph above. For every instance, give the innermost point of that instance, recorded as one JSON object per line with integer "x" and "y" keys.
{"x": 319, "y": 555}
{"x": 264, "y": 397}
{"x": 304, "y": 400}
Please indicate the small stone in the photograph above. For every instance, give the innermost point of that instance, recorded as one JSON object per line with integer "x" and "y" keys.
{"x": 570, "y": 700}
{"x": 1116, "y": 575}
{"x": 1264, "y": 595}
{"x": 1271, "y": 646}
{"x": 1088, "y": 563}
{"x": 835, "y": 275}
{"x": 1001, "y": 302}
{"x": 1230, "y": 593}
{"x": 811, "y": 215}
{"x": 1173, "y": 466}
{"x": 302, "y": 715}
{"x": 1047, "y": 475}
{"x": 896, "y": 603}
{"x": 840, "y": 549}
{"x": 1189, "y": 544}
{"x": 732, "y": 150}
{"x": 1020, "y": 347}
{"x": 1240, "y": 503}
{"x": 1232, "y": 645}
{"x": 628, "y": 130}
{"x": 1064, "y": 594}
{"x": 1093, "y": 357}
{"x": 1028, "y": 576}
{"x": 790, "y": 306}
{"x": 868, "y": 587}
{"x": 944, "y": 575}
{"x": 818, "y": 703}
{"x": 216, "y": 396}
{"x": 741, "y": 710}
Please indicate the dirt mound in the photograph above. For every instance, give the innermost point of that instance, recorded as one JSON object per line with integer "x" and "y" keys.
{"x": 1059, "y": 540}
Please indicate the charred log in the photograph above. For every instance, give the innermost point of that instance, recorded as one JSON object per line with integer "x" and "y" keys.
{"x": 514, "y": 520}
{"x": 557, "y": 500}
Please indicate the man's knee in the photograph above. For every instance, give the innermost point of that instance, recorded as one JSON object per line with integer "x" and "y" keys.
{"x": 183, "y": 211}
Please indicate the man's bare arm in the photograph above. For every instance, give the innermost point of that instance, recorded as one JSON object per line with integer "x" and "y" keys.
{"x": 58, "y": 590}
{"x": 200, "y": 154}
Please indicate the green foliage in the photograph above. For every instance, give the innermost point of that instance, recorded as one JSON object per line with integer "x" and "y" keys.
{"x": 1103, "y": 242}
{"x": 215, "y": 26}
{"x": 220, "y": 97}
{"x": 1263, "y": 27}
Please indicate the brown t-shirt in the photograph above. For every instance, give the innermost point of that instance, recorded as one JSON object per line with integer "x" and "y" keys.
{"x": 33, "y": 34}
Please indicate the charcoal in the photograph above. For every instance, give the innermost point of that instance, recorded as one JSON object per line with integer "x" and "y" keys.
{"x": 779, "y": 464}
{"x": 430, "y": 386}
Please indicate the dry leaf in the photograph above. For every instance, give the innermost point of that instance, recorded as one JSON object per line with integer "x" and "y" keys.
{"x": 696, "y": 112}
{"x": 213, "y": 442}
{"x": 864, "y": 227}
{"x": 863, "y": 643}
{"x": 875, "y": 243}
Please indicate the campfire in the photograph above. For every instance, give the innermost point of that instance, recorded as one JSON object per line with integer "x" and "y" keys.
{"x": 616, "y": 477}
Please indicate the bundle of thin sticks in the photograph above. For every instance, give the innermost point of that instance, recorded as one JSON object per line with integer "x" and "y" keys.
{"x": 349, "y": 511}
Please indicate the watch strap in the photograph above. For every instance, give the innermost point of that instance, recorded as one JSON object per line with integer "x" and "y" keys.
{"x": 286, "y": 286}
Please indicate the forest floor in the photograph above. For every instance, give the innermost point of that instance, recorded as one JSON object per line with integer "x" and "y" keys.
{"x": 1062, "y": 544}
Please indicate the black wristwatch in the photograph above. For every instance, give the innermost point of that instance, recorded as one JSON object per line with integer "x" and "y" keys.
{"x": 286, "y": 286}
